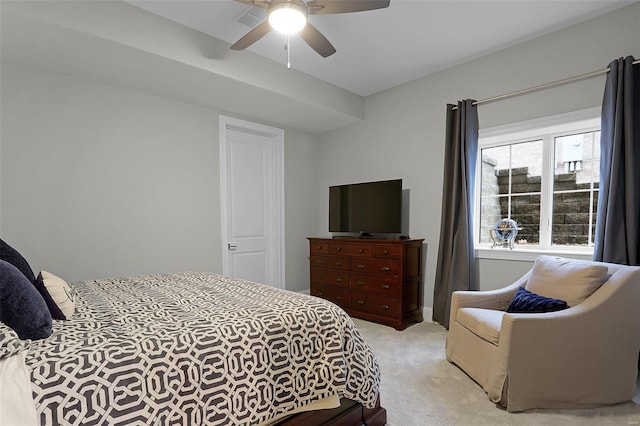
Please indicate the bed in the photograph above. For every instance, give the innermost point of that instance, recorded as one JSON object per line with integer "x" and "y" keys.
{"x": 195, "y": 349}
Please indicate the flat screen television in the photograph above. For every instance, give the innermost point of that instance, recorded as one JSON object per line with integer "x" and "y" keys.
{"x": 365, "y": 208}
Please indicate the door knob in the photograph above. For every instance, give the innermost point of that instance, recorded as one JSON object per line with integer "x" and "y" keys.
{"x": 231, "y": 247}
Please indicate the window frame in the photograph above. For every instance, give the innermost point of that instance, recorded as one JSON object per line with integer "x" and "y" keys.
{"x": 545, "y": 129}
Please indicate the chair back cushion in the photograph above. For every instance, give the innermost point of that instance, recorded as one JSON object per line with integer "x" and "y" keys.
{"x": 565, "y": 279}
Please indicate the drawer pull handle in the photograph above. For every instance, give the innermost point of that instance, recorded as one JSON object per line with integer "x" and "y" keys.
{"x": 385, "y": 306}
{"x": 360, "y": 302}
{"x": 360, "y": 251}
{"x": 321, "y": 276}
{"x": 386, "y": 252}
{"x": 361, "y": 266}
{"x": 339, "y": 249}
{"x": 338, "y": 263}
{"x": 319, "y": 294}
{"x": 385, "y": 286}
{"x": 319, "y": 247}
{"x": 360, "y": 283}
{"x": 386, "y": 268}
{"x": 319, "y": 262}
{"x": 339, "y": 280}
{"x": 338, "y": 297}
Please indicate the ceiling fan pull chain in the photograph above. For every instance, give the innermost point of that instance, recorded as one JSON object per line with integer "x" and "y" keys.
{"x": 288, "y": 49}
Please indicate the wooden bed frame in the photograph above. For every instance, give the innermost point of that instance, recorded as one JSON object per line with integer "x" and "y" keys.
{"x": 349, "y": 413}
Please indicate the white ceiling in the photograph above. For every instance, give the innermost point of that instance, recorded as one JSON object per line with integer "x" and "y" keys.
{"x": 380, "y": 49}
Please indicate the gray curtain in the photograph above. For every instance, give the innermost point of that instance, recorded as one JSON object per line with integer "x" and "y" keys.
{"x": 455, "y": 269}
{"x": 617, "y": 237}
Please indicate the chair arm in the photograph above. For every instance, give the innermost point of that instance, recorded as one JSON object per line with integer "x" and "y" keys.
{"x": 582, "y": 351}
{"x": 490, "y": 299}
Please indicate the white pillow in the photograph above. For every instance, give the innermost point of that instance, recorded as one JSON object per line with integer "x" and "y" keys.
{"x": 565, "y": 279}
{"x": 60, "y": 293}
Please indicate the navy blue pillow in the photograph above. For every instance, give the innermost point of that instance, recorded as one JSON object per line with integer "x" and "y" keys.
{"x": 21, "y": 306}
{"x": 11, "y": 255}
{"x": 526, "y": 302}
{"x": 51, "y": 304}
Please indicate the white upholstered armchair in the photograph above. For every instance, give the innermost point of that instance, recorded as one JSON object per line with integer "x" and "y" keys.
{"x": 583, "y": 356}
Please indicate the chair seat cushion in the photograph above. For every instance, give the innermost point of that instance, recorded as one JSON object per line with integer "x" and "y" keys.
{"x": 484, "y": 323}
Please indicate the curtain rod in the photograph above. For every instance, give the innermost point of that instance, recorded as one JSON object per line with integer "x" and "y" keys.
{"x": 546, "y": 85}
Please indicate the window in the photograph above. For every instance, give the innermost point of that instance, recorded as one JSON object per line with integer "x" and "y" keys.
{"x": 543, "y": 175}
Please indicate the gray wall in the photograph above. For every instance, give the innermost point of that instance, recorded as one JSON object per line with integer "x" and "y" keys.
{"x": 102, "y": 181}
{"x": 97, "y": 180}
{"x": 403, "y": 134}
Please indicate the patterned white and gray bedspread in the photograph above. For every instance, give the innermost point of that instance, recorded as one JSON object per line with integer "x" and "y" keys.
{"x": 195, "y": 349}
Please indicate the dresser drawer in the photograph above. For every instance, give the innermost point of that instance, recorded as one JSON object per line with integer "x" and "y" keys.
{"x": 373, "y": 304}
{"x": 327, "y": 276}
{"x": 376, "y": 266}
{"x": 362, "y": 250}
{"x": 389, "y": 286}
{"x": 333, "y": 262}
{"x": 388, "y": 251}
{"x": 318, "y": 247}
{"x": 339, "y": 296}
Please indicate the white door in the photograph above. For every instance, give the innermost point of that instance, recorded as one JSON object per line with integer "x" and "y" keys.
{"x": 252, "y": 192}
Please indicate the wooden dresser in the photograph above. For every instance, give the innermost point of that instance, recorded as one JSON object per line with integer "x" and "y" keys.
{"x": 374, "y": 279}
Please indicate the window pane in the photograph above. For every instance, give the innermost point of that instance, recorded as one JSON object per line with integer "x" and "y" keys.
{"x": 577, "y": 157}
{"x": 489, "y": 216}
{"x": 510, "y": 188}
{"x": 526, "y": 167}
{"x": 490, "y": 211}
{"x": 525, "y": 210}
{"x": 490, "y": 168}
{"x": 575, "y": 184}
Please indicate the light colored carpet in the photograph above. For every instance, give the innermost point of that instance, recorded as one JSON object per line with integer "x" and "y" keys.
{"x": 421, "y": 388}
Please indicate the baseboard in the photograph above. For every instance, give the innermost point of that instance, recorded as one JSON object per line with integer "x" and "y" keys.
{"x": 427, "y": 313}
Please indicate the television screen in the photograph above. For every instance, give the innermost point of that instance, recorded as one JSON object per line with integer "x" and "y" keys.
{"x": 372, "y": 207}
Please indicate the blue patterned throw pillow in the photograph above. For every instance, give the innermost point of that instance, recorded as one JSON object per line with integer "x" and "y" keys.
{"x": 526, "y": 302}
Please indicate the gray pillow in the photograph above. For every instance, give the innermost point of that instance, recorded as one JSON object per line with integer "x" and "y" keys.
{"x": 21, "y": 306}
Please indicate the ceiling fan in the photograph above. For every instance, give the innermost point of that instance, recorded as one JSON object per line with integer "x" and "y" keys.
{"x": 291, "y": 17}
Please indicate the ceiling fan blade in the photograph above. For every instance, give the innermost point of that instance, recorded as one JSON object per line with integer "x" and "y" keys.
{"x": 329, "y": 7}
{"x": 252, "y": 36}
{"x": 258, "y": 3}
{"x": 317, "y": 41}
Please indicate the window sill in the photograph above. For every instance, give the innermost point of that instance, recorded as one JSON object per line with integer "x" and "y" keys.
{"x": 530, "y": 254}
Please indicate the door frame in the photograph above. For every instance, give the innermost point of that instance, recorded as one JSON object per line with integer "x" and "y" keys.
{"x": 276, "y": 246}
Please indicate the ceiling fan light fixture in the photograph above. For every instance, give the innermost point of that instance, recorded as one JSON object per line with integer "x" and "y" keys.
{"x": 290, "y": 17}
{"x": 287, "y": 17}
